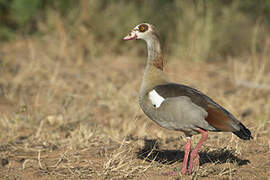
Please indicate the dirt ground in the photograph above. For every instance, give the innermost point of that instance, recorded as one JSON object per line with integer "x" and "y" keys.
{"x": 63, "y": 119}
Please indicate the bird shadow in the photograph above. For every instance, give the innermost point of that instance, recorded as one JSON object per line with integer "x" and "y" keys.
{"x": 152, "y": 152}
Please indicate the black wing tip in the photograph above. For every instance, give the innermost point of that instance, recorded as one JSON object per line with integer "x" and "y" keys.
{"x": 243, "y": 133}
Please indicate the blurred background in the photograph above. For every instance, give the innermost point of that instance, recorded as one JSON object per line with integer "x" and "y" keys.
{"x": 196, "y": 30}
{"x": 69, "y": 86}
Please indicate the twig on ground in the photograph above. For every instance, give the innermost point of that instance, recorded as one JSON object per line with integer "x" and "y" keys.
{"x": 40, "y": 127}
{"x": 39, "y": 163}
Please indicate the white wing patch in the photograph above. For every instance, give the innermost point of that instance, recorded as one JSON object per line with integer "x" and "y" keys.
{"x": 155, "y": 98}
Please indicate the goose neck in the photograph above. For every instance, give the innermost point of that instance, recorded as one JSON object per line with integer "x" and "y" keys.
{"x": 154, "y": 50}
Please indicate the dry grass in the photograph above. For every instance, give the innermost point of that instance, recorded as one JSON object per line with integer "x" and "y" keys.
{"x": 123, "y": 163}
{"x": 198, "y": 31}
{"x": 63, "y": 117}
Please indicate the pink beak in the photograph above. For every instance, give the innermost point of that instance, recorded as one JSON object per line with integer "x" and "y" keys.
{"x": 132, "y": 35}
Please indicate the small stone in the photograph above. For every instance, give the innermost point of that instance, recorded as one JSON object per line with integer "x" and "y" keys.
{"x": 4, "y": 162}
{"x": 21, "y": 160}
{"x": 54, "y": 147}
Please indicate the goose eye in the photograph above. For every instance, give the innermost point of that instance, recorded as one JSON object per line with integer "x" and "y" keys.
{"x": 143, "y": 28}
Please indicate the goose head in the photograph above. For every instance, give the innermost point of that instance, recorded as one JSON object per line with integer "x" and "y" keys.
{"x": 143, "y": 31}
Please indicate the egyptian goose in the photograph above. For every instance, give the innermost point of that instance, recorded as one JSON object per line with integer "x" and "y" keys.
{"x": 179, "y": 107}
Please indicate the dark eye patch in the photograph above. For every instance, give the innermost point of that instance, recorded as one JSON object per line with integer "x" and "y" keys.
{"x": 143, "y": 28}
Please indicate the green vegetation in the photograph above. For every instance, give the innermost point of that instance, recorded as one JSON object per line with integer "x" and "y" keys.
{"x": 197, "y": 30}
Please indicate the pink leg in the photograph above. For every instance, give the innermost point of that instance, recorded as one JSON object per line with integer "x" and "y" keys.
{"x": 187, "y": 150}
{"x": 194, "y": 154}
